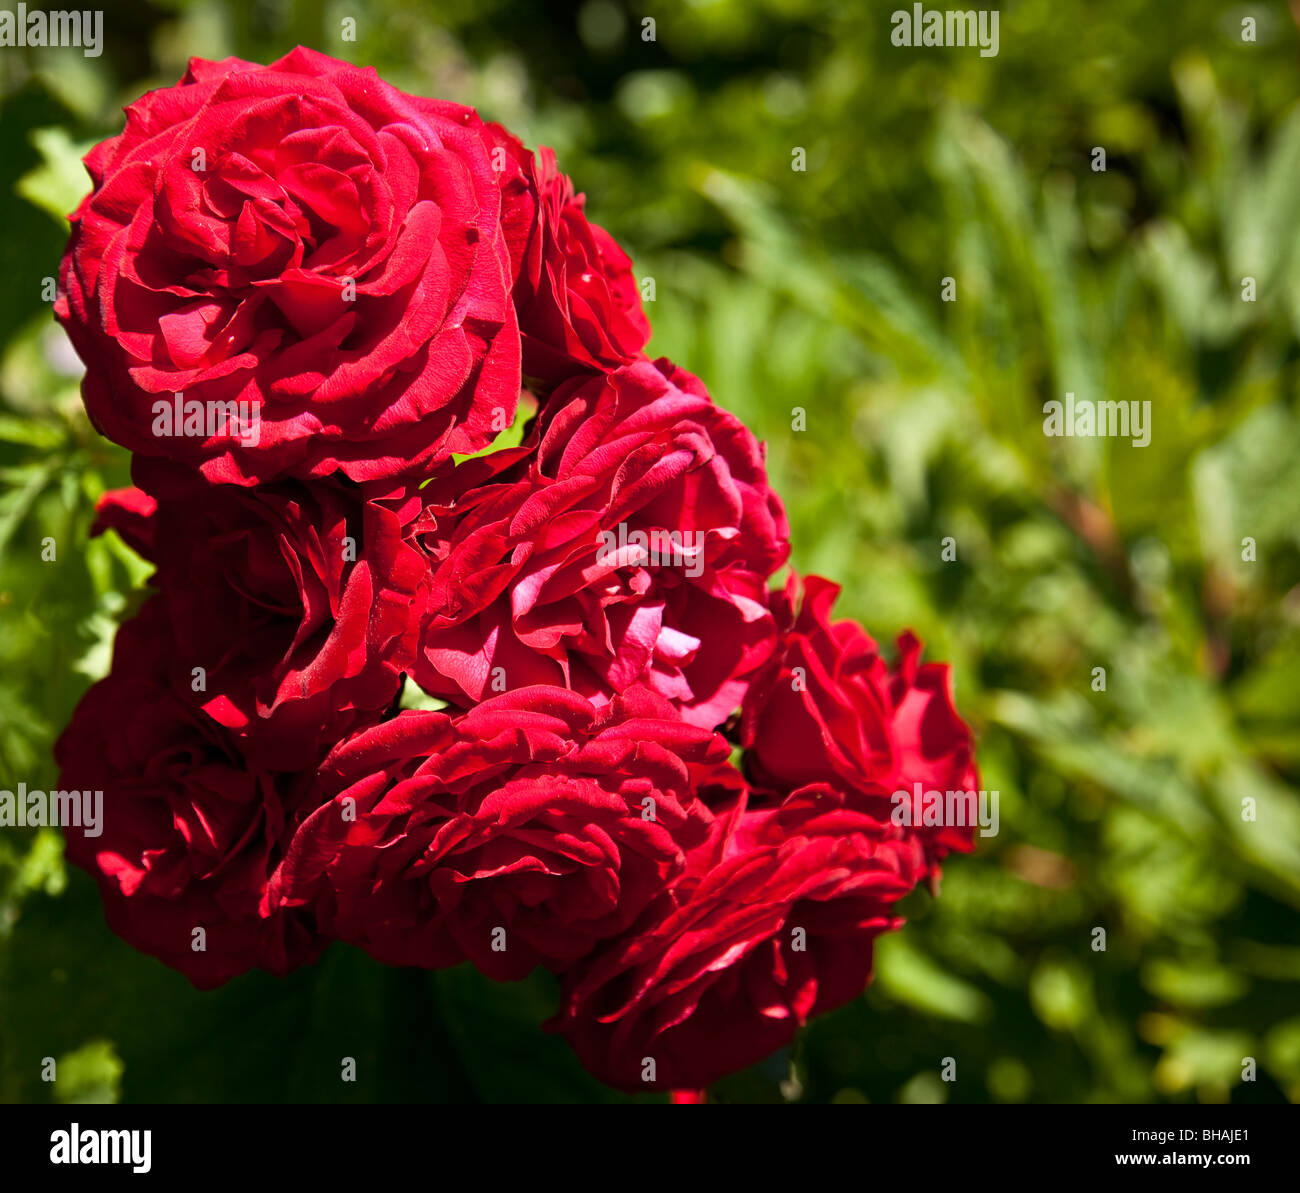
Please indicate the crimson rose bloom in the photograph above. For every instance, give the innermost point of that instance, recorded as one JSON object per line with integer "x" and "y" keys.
{"x": 190, "y": 832}
{"x": 517, "y": 834}
{"x": 828, "y": 709}
{"x": 298, "y": 600}
{"x": 772, "y": 922}
{"x": 578, "y": 304}
{"x": 539, "y": 575}
{"x": 306, "y": 240}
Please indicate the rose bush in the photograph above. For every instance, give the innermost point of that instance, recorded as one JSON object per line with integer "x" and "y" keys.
{"x": 654, "y": 776}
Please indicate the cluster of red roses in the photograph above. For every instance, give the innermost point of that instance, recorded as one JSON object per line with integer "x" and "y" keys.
{"x": 379, "y": 277}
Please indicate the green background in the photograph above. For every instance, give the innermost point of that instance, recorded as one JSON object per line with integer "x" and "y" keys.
{"x": 814, "y": 290}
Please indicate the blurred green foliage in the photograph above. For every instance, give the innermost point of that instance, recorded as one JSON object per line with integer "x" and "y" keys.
{"x": 816, "y": 291}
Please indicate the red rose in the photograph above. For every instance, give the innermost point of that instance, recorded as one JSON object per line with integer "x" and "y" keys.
{"x": 771, "y": 923}
{"x": 299, "y": 601}
{"x": 629, "y": 540}
{"x": 828, "y": 709}
{"x": 578, "y": 304}
{"x": 311, "y": 258}
{"x": 517, "y": 834}
{"x": 189, "y": 831}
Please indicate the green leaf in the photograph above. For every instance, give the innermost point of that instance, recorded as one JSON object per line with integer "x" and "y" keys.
{"x": 60, "y": 182}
